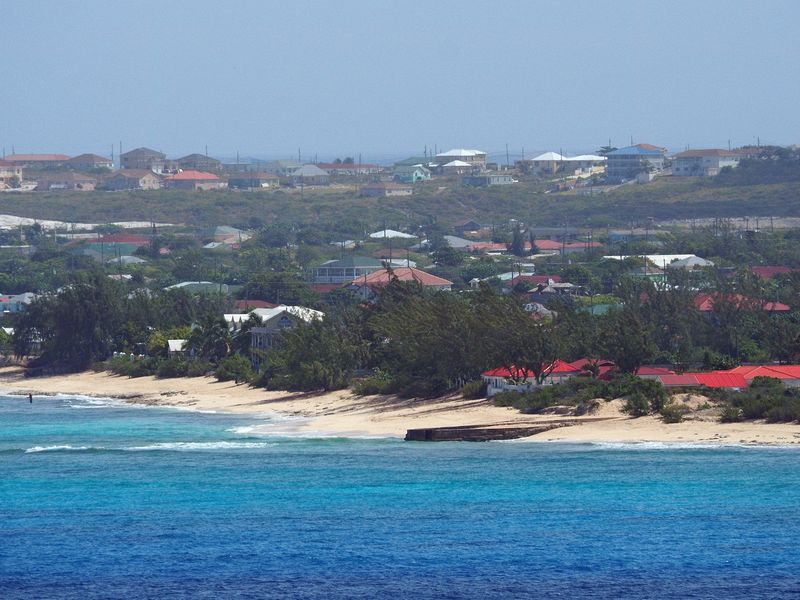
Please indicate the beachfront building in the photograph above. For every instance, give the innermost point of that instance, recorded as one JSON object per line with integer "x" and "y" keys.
{"x": 506, "y": 379}
{"x": 275, "y": 321}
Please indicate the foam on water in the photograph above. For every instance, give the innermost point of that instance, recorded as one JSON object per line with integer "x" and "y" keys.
{"x": 218, "y": 445}
{"x": 60, "y": 448}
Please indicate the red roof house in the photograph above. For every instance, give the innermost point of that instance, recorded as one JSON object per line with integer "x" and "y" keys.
{"x": 194, "y": 180}
{"x": 706, "y": 302}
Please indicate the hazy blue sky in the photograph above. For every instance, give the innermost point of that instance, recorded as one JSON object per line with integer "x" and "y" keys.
{"x": 386, "y": 78}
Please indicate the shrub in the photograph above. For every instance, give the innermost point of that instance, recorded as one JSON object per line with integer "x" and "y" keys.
{"x": 785, "y": 413}
{"x": 172, "y": 367}
{"x": 380, "y": 382}
{"x": 236, "y": 368}
{"x": 474, "y": 389}
{"x": 198, "y": 368}
{"x": 730, "y": 414}
{"x": 637, "y": 404}
{"x": 671, "y": 414}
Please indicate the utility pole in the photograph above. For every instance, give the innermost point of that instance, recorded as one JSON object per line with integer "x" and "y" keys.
{"x": 507, "y": 163}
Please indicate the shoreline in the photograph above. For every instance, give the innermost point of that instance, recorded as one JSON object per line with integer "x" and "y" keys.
{"x": 342, "y": 414}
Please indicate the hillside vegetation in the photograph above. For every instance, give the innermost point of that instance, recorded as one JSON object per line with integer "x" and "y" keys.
{"x": 665, "y": 198}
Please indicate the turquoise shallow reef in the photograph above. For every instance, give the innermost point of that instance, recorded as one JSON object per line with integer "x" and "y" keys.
{"x": 103, "y": 500}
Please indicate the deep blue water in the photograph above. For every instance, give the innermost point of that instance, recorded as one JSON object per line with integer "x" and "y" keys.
{"x": 100, "y": 501}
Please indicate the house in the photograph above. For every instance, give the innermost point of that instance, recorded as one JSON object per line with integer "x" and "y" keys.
{"x": 281, "y": 168}
{"x": 68, "y": 180}
{"x": 505, "y": 379}
{"x": 391, "y": 233}
{"x": 143, "y": 158}
{"x": 10, "y": 175}
{"x": 473, "y": 158}
{"x": 309, "y": 175}
{"x": 411, "y": 173}
{"x": 200, "y": 287}
{"x": 368, "y": 285}
{"x": 194, "y": 180}
{"x": 564, "y": 247}
{"x": 251, "y": 180}
{"x": 547, "y": 163}
{"x": 383, "y": 190}
{"x": 350, "y": 168}
{"x": 198, "y": 162}
{"x": 176, "y": 348}
{"x": 274, "y": 322}
{"x": 690, "y": 263}
{"x": 703, "y": 163}
{"x": 345, "y": 270}
{"x": 488, "y": 179}
{"x": 713, "y": 379}
{"x": 245, "y": 306}
{"x": 456, "y": 167}
{"x": 38, "y": 161}
{"x": 16, "y": 303}
{"x": 788, "y": 374}
{"x": 89, "y": 162}
{"x": 627, "y": 163}
{"x": 709, "y": 303}
{"x": 133, "y": 179}
{"x": 768, "y": 272}
{"x": 465, "y": 227}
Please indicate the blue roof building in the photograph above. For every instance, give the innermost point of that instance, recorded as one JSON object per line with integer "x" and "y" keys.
{"x": 628, "y": 162}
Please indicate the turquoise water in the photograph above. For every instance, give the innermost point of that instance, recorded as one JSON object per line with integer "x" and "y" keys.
{"x": 107, "y": 501}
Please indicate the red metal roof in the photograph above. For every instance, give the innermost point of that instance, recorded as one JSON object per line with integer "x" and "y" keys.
{"x": 768, "y": 272}
{"x": 645, "y": 370}
{"x": 383, "y": 277}
{"x": 720, "y": 379}
{"x": 247, "y": 305}
{"x": 687, "y": 379}
{"x": 705, "y": 303}
{"x": 190, "y": 175}
{"x": 749, "y": 372}
{"x": 557, "y": 366}
{"x": 125, "y": 238}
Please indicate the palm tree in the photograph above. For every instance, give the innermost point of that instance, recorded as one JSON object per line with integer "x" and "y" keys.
{"x": 210, "y": 340}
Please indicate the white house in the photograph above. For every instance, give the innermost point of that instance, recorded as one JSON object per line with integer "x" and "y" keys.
{"x": 702, "y": 162}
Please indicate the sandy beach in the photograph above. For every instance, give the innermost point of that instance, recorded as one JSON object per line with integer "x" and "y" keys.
{"x": 343, "y": 414}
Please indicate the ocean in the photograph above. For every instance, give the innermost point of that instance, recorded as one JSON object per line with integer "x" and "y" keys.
{"x": 100, "y": 499}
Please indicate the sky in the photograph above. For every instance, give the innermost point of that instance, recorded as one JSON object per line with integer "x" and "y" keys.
{"x": 389, "y": 79}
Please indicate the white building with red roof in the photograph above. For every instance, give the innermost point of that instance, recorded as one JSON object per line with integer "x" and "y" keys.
{"x": 194, "y": 180}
